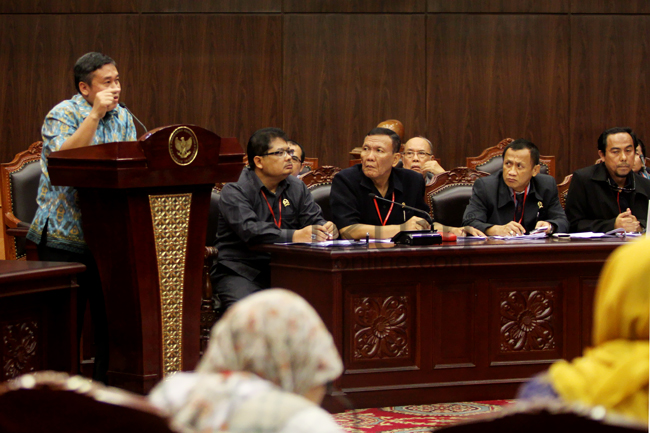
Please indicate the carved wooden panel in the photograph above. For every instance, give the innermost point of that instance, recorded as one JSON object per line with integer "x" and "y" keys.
{"x": 527, "y": 320}
{"x": 20, "y": 348}
{"x": 380, "y": 329}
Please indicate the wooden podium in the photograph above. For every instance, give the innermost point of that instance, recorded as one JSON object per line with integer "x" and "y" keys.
{"x": 145, "y": 210}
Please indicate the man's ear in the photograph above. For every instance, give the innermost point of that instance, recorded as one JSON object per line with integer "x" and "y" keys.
{"x": 536, "y": 170}
{"x": 396, "y": 158}
{"x": 84, "y": 88}
{"x": 258, "y": 162}
{"x": 602, "y": 155}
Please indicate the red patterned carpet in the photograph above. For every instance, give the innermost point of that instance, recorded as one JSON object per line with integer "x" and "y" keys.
{"x": 414, "y": 419}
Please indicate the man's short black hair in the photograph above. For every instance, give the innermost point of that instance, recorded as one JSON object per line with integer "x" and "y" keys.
{"x": 521, "y": 144}
{"x": 392, "y": 134}
{"x": 87, "y": 65}
{"x": 260, "y": 143}
{"x": 602, "y": 140}
{"x": 302, "y": 151}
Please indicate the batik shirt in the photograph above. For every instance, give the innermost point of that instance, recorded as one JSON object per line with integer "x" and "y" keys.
{"x": 57, "y": 205}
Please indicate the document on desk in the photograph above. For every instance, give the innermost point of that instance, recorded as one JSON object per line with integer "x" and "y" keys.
{"x": 520, "y": 237}
{"x": 595, "y": 235}
{"x": 336, "y": 242}
{"x": 470, "y": 238}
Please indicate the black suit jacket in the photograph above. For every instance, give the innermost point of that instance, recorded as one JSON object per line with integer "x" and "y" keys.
{"x": 591, "y": 204}
{"x": 492, "y": 204}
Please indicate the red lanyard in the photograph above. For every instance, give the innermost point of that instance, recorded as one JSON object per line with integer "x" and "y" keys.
{"x": 523, "y": 207}
{"x": 277, "y": 223}
{"x": 383, "y": 222}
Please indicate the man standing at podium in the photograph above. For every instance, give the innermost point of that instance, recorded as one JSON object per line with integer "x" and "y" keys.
{"x": 90, "y": 117}
{"x": 266, "y": 205}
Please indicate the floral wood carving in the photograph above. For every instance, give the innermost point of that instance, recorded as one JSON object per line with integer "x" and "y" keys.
{"x": 381, "y": 327}
{"x": 526, "y": 320}
{"x": 20, "y": 348}
{"x": 320, "y": 176}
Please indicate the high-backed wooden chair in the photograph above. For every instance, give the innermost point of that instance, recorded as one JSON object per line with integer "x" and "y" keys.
{"x": 545, "y": 416}
{"x": 56, "y": 402}
{"x": 563, "y": 189}
{"x": 19, "y": 182}
{"x": 491, "y": 159}
{"x": 319, "y": 182}
{"x": 449, "y": 195}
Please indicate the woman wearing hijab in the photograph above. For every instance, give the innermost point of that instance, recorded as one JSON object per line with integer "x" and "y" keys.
{"x": 613, "y": 373}
{"x": 265, "y": 370}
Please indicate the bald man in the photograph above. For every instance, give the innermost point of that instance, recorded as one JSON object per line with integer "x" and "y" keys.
{"x": 418, "y": 155}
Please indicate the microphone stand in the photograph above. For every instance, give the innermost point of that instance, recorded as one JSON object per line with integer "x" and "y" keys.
{"x": 123, "y": 105}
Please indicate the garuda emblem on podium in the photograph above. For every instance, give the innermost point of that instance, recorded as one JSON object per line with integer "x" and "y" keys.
{"x": 183, "y": 145}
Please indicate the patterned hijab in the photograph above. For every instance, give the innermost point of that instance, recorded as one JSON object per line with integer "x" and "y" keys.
{"x": 614, "y": 373}
{"x": 278, "y": 336}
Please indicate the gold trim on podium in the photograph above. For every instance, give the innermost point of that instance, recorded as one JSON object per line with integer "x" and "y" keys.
{"x": 170, "y": 215}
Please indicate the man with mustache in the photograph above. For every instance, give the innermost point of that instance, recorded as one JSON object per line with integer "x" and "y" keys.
{"x": 609, "y": 195}
{"x": 517, "y": 199}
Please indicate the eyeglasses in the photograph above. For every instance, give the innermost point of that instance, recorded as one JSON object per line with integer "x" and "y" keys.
{"x": 410, "y": 154}
{"x": 294, "y": 158}
{"x": 280, "y": 153}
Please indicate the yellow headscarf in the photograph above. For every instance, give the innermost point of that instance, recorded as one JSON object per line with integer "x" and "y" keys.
{"x": 614, "y": 373}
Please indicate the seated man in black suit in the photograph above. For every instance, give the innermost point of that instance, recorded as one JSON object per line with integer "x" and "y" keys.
{"x": 356, "y": 213}
{"x": 266, "y": 205}
{"x": 517, "y": 199}
{"x": 609, "y": 194}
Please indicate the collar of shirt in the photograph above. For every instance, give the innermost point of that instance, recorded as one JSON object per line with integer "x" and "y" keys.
{"x": 394, "y": 183}
{"x": 514, "y": 193}
{"x": 255, "y": 183}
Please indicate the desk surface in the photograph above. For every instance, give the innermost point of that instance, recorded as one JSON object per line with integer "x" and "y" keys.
{"x": 15, "y": 273}
{"x": 451, "y": 322}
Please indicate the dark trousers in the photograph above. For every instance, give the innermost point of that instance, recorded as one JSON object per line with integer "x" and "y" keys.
{"x": 89, "y": 291}
{"x": 229, "y": 287}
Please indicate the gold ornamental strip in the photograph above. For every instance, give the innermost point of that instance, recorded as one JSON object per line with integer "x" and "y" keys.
{"x": 171, "y": 216}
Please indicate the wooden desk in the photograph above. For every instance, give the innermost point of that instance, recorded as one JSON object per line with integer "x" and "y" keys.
{"x": 472, "y": 321}
{"x": 38, "y": 327}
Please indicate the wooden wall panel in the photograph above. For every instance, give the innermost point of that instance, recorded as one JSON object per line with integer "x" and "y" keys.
{"x": 610, "y": 6}
{"x": 497, "y": 76}
{"x": 169, "y": 6}
{"x": 354, "y": 5}
{"x": 499, "y": 6}
{"x": 36, "y": 59}
{"x": 610, "y": 79}
{"x": 222, "y": 72}
{"x": 344, "y": 74}
{"x": 67, "y": 6}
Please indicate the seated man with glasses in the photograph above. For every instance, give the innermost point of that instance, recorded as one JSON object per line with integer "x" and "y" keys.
{"x": 358, "y": 214}
{"x": 297, "y": 158}
{"x": 609, "y": 195}
{"x": 418, "y": 156}
{"x": 266, "y": 205}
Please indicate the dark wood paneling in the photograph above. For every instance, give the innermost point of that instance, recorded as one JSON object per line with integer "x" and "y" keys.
{"x": 495, "y": 76}
{"x": 169, "y": 6}
{"x": 610, "y": 6}
{"x": 221, "y": 72}
{"x": 498, "y": 6}
{"x": 37, "y": 56}
{"x": 67, "y": 6}
{"x": 609, "y": 80}
{"x": 346, "y": 73}
{"x": 354, "y": 5}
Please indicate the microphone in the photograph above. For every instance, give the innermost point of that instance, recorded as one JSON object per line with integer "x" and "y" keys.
{"x": 123, "y": 105}
{"x": 428, "y": 217}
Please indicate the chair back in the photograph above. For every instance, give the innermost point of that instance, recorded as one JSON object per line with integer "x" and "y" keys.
{"x": 563, "y": 189}
{"x": 56, "y": 402}
{"x": 19, "y": 182}
{"x": 449, "y": 195}
{"x": 213, "y": 217}
{"x": 491, "y": 159}
{"x": 319, "y": 183}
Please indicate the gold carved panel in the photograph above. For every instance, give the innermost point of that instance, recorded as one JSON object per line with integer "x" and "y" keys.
{"x": 170, "y": 215}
